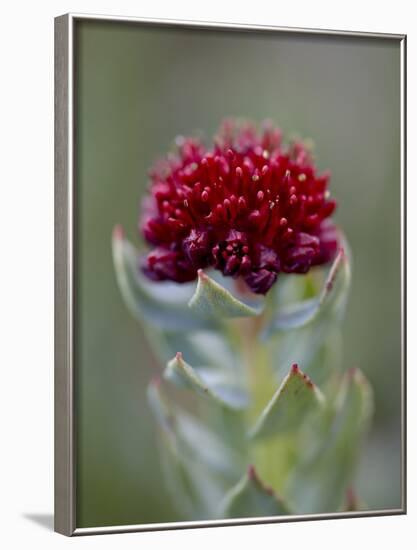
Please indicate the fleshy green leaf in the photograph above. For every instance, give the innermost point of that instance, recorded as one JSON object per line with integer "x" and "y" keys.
{"x": 327, "y": 466}
{"x": 211, "y": 383}
{"x": 207, "y": 447}
{"x": 296, "y": 398}
{"x": 148, "y": 301}
{"x": 251, "y": 498}
{"x": 195, "y": 438}
{"x": 213, "y": 301}
{"x": 291, "y": 288}
{"x": 177, "y": 475}
{"x": 200, "y": 347}
{"x": 316, "y": 347}
{"x": 331, "y": 300}
{"x": 296, "y": 315}
{"x": 198, "y": 466}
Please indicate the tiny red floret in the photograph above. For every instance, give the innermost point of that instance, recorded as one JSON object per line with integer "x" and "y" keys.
{"x": 249, "y": 206}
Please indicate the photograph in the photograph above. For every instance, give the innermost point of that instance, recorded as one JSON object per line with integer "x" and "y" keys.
{"x": 237, "y": 275}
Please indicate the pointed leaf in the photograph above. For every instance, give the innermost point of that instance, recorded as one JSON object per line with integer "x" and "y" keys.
{"x": 149, "y": 301}
{"x": 160, "y": 409}
{"x": 201, "y": 347}
{"x": 198, "y": 466}
{"x": 213, "y": 301}
{"x": 352, "y": 502}
{"x": 177, "y": 477}
{"x": 296, "y": 398}
{"x": 296, "y": 315}
{"x": 328, "y": 463}
{"x": 210, "y": 383}
{"x": 200, "y": 442}
{"x": 251, "y": 498}
{"x": 316, "y": 347}
{"x": 331, "y": 300}
{"x": 195, "y": 438}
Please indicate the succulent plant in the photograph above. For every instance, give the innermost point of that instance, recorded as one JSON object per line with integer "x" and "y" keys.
{"x": 242, "y": 298}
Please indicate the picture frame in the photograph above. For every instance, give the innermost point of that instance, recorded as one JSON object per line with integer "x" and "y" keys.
{"x": 66, "y": 266}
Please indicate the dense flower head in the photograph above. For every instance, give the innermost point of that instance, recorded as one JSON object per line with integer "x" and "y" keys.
{"x": 250, "y": 206}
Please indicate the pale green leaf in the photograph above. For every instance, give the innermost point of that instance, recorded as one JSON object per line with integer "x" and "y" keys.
{"x": 207, "y": 447}
{"x": 198, "y": 466}
{"x": 317, "y": 347}
{"x": 251, "y": 498}
{"x": 213, "y": 301}
{"x": 201, "y": 347}
{"x": 150, "y": 301}
{"x": 330, "y": 302}
{"x": 296, "y": 398}
{"x": 209, "y": 382}
{"x": 296, "y": 315}
{"x": 329, "y": 457}
{"x": 177, "y": 476}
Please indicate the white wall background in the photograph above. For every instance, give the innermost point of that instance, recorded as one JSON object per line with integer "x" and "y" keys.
{"x": 26, "y": 272}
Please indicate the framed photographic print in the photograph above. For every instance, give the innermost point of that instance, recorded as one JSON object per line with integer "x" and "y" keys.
{"x": 230, "y": 327}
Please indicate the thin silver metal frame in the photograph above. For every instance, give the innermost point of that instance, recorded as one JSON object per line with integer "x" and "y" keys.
{"x": 65, "y": 270}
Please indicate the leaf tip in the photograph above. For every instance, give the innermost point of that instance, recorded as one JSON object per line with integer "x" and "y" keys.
{"x": 254, "y": 478}
{"x": 155, "y": 381}
{"x": 352, "y": 503}
{"x": 352, "y": 373}
{"x": 251, "y": 472}
{"x": 203, "y": 277}
{"x": 295, "y": 369}
{"x": 118, "y": 233}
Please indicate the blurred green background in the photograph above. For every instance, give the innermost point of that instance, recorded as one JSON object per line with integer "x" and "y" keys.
{"x": 137, "y": 87}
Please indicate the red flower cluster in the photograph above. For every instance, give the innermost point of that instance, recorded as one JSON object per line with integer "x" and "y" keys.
{"x": 250, "y": 207}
